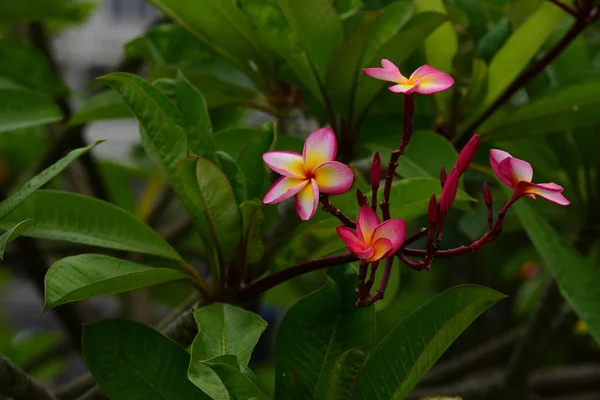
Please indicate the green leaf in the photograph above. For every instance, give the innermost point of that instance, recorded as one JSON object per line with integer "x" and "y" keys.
{"x": 102, "y": 106}
{"x": 358, "y": 51}
{"x": 565, "y": 108}
{"x": 37, "y": 10}
{"x": 223, "y": 27}
{"x": 316, "y": 331}
{"x": 441, "y": 46}
{"x": 131, "y": 361}
{"x": 196, "y": 121}
{"x": 250, "y": 159}
{"x": 238, "y": 385}
{"x": 21, "y": 108}
{"x": 37, "y": 76}
{"x": 220, "y": 208}
{"x": 86, "y": 220}
{"x": 346, "y": 372}
{"x": 40, "y": 180}
{"x": 517, "y": 52}
{"x": 234, "y": 174}
{"x": 14, "y": 233}
{"x": 397, "y": 49}
{"x": 86, "y": 276}
{"x": 493, "y": 40}
{"x": 253, "y": 219}
{"x": 401, "y": 359}
{"x": 577, "y": 278}
{"x": 224, "y": 329}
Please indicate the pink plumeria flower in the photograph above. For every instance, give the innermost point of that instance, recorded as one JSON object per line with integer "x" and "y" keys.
{"x": 373, "y": 240}
{"x": 517, "y": 174}
{"x": 306, "y": 176}
{"x": 425, "y": 79}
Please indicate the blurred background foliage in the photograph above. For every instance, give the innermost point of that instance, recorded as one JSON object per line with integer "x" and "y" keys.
{"x": 299, "y": 63}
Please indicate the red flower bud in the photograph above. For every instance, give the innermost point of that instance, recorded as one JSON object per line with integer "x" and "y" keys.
{"x": 487, "y": 195}
{"x": 433, "y": 212}
{"x": 466, "y": 155}
{"x": 443, "y": 176}
{"x": 376, "y": 171}
{"x": 361, "y": 198}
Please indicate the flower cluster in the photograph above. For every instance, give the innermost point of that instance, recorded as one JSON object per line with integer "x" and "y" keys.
{"x": 312, "y": 176}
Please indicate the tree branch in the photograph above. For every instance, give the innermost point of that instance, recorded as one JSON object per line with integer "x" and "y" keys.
{"x": 17, "y": 384}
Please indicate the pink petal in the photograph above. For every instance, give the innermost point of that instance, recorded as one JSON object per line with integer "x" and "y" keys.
{"x": 389, "y": 72}
{"x": 515, "y": 170}
{"x": 350, "y": 238}
{"x": 307, "y": 201}
{"x": 393, "y": 230}
{"x": 283, "y": 189}
{"x": 333, "y": 177}
{"x": 320, "y": 147}
{"x": 286, "y": 163}
{"x": 366, "y": 222}
{"x": 407, "y": 88}
{"x": 549, "y": 191}
{"x": 467, "y": 154}
{"x": 431, "y": 80}
{"x": 382, "y": 248}
{"x": 449, "y": 192}
{"x": 365, "y": 254}
{"x": 496, "y": 157}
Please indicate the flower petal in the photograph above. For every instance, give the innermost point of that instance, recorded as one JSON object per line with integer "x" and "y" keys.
{"x": 389, "y": 72}
{"x": 320, "y": 147}
{"x": 431, "y": 80}
{"x": 286, "y": 163}
{"x": 382, "y": 248}
{"x": 365, "y": 254}
{"x": 393, "y": 230}
{"x": 350, "y": 238}
{"x": 307, "y": 201}
{"x": 284, "y": 188}
{"x": 496, "y": 157}
{"x": 333, "y": 177}
{"x": 467, "y": 154}
{"x": 549, "y": 191}
{"x": 366, "y": 222}
{"x": 407, "y": 88}
{"x": 515, "y": 170}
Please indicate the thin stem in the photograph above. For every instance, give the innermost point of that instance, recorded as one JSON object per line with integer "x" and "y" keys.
{"x": 565, "y": 7}
{"x": 18, "y": 385}
{"x": 336, "y": 212}
{"x": 380, "y": 292}
{"x": 409, "y": 110}
{"x": 262, "y": 285}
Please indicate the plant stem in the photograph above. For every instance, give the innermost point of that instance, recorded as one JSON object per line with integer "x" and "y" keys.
{"x": 566, "y": 8}
{"x": 262, "y": 285}
{"x": 18, "y": 385}
{"x": 380, "y": 292}
{"x": 409, "y": 110}
{"x": 336, "y": 212}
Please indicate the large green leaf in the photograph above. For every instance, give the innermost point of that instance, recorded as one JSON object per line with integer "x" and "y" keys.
{"x": 86, "y": 220}
{"x": 92, "y": 275}
{"x": 250, "y": 159}
{"x": 517, "y": 52}
{"x": 224, "y": 329}
{"x": 441, "y": 46}
{"x": 221, "y": 25}
{"x": 401, "y": 359}
{"x": 21, "y": 108}
{"x": 316, "y": 331}
{"x": 35, "y": 10}
{"x": 565, "y": 108}
{"x": 238, "y": 385}
{"x": 355, "y": 54}
{"x": 196, "y": 121}
{"x": 102, "y": 106}
{"x": 14, "y": 233}
{"x": 131, "y": 361}
{"x": 577, "y": 278}
{"x": 397, "y": 49}
{"x": 37, "y": 76}
{"x": 253, "y": 219}
{"x": 40, "y": 180}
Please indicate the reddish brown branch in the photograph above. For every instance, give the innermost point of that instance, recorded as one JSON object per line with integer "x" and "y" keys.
{"x": 336, "y": 212}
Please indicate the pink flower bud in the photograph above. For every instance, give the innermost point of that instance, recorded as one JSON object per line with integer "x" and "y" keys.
{"x": 443, "y": 176}
{"x": 376, "y": 171}
{"x": 466, "y": 155}
{"x": 487, "y": 195}
{"x": 361, "y": 198}
{"x": 433, "y": 212}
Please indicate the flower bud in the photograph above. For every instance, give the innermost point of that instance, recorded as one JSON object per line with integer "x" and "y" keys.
{"x": 487, "y": 195}
{"x": 433, "y": 212}
{"x": 361, "y": 198}
{"x": 443, "y": 176}
{"x": 375, "y": 171}
{"x": 467, "y": 154}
